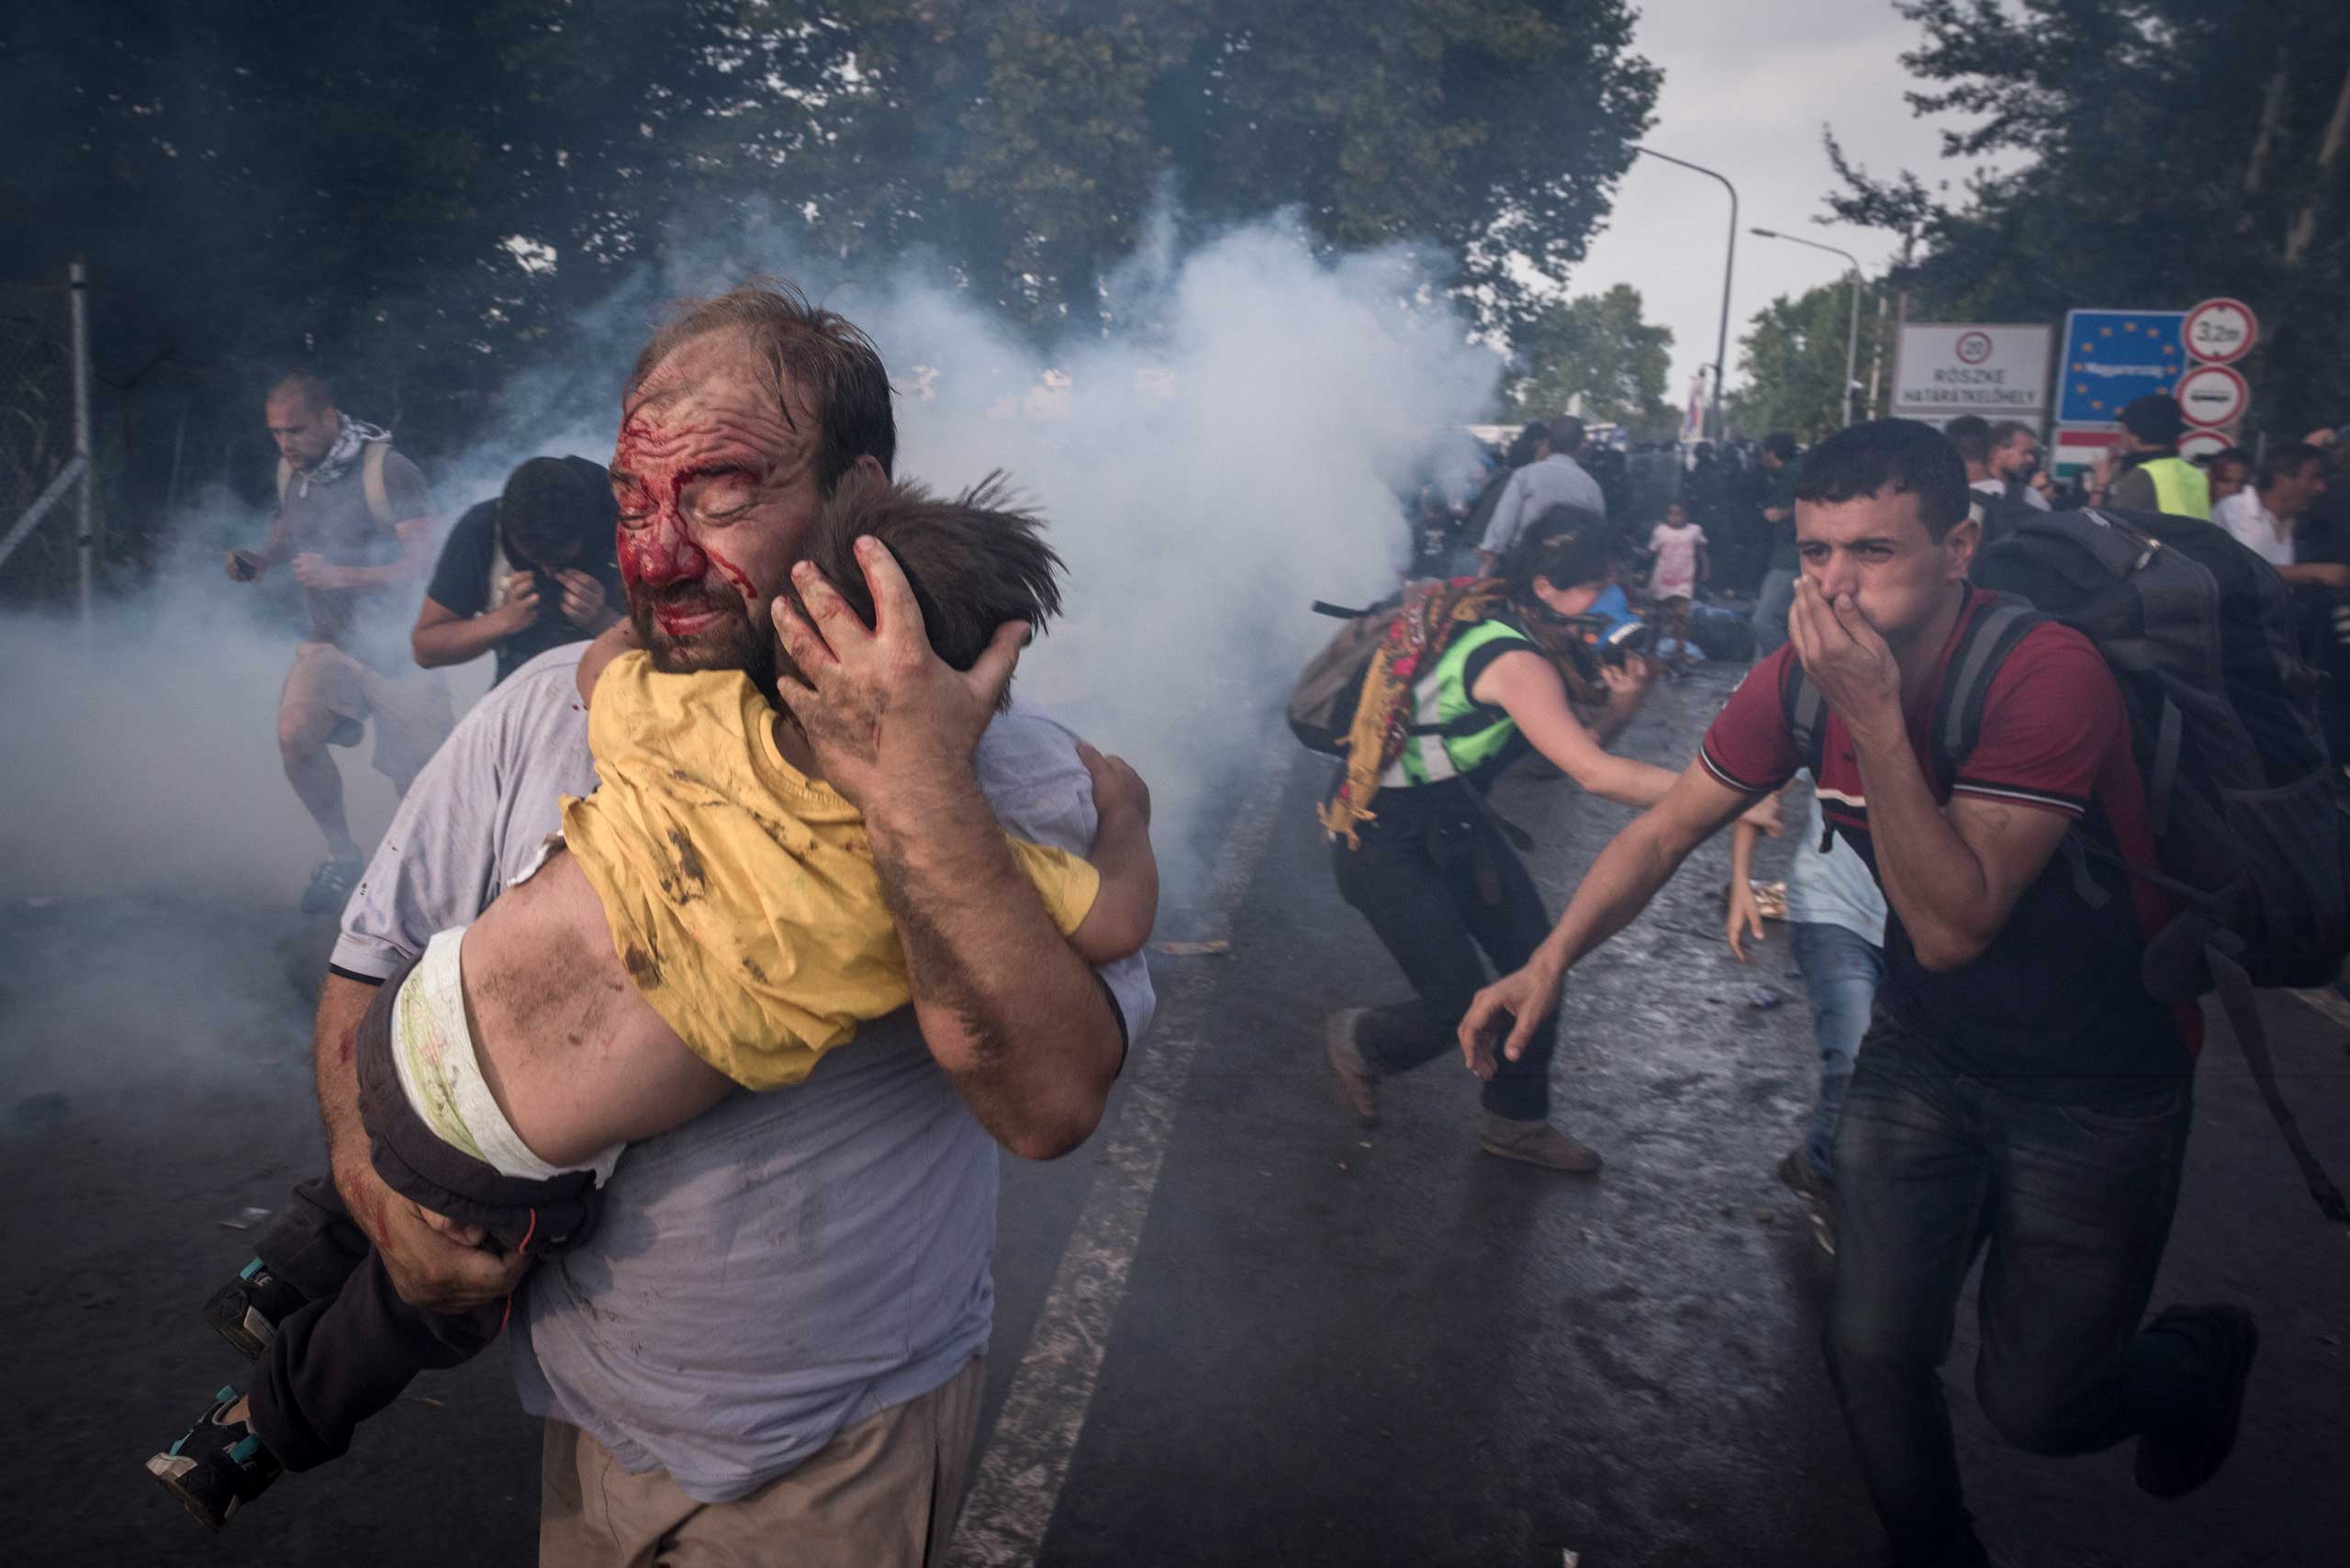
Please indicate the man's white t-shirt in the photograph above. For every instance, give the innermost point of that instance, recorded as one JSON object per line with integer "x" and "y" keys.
{"x": 2255, "y": 527}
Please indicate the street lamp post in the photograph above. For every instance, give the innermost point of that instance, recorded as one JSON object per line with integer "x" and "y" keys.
{"x": 1852, "y": 339}
{"x": 1730, "y": 258}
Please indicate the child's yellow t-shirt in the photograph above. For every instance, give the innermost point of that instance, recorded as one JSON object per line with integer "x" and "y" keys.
{"x": 740, "y": 895}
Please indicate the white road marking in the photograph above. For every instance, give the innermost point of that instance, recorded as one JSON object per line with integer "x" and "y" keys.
{"x": 1020, "y": 1475}
{"x": 2329, "y": 1004}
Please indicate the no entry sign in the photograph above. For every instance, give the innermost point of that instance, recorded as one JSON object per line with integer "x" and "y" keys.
{"x": 2220, "y": 332}
{"x": 2211, "y": 395}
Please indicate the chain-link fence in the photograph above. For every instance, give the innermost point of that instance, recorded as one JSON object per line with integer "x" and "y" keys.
{"x": 38, "y": 554}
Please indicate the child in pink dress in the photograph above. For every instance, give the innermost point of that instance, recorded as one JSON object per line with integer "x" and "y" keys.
{"x": 1680, "y": 547}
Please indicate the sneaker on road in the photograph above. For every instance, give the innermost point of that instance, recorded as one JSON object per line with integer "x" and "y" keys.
{"x": 2172, "y": 1465}
{"x": 1803, "y": 1180}
{"x": 218, "y": 1466}
{"x": 248, "y": 1310}
{"x": 1358, "y": 1084}
{"x": 1536, "y": 1143}
{"x": 330, "y": 885}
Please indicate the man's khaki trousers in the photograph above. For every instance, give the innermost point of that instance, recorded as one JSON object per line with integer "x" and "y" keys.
{"x": 883, "y": 1494}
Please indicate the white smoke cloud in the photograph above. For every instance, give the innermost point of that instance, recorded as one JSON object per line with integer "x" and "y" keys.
{"x": 1224, "y": 450}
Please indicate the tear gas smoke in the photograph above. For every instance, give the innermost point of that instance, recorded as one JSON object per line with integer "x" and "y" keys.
{"x": 1224, "y": 449}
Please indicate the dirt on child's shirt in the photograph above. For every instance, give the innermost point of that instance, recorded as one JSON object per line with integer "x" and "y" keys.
{"x": 742, "y": 896}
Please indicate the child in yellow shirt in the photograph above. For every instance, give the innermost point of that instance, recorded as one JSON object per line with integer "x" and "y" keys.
{"x": 709, "y": 918}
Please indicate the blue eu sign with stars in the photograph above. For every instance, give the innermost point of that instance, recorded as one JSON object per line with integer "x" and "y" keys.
{"x": 2111, "y": 356}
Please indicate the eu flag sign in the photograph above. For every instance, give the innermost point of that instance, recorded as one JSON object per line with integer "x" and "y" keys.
{"x": 2109, "y": 357}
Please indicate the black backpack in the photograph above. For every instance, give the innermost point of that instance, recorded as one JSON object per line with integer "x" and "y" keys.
{"x": 2246, "y": 807}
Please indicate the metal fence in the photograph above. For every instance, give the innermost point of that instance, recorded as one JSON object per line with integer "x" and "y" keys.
{"x": 46, "y": 491}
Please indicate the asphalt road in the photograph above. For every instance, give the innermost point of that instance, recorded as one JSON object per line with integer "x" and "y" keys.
{"x": 1242, "y": 1330}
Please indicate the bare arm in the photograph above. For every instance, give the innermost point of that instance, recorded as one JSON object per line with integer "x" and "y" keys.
{"x": 415, "y": 558}
{"x": 315, "y": 571}
{"x": 1744, "y": 918}
{"x": 442, "y": 637}
{"x": 1954, "y": 877}
{"x": 1017, "y": 1020}
{"x": 2326, "y": 574}
{"x": 614, "y": 640}
{"x": 1636, "y": 863}
{"x": 1007, "y": 1006}
{"x": 252, "y": 565}
{"x": 1526, "y": 686}
{"x": 429, "y": 1265}
{"x": 1127, "y": 905}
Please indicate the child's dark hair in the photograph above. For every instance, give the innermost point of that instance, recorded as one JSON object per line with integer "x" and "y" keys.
{"x": 974, "y": 562}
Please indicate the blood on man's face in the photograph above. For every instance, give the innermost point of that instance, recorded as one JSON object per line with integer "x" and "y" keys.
{"x": 716, "y": 490}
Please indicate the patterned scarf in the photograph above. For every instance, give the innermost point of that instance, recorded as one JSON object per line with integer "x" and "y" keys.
{"x": 1432, "y": 613}
{"x": 345, "y": 450}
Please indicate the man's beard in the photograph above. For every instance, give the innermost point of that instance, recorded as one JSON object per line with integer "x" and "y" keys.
{"x": 729, "y": 642}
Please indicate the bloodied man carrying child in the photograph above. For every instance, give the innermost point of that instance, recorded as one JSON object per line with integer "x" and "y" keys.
{"x": 774, "y": 888}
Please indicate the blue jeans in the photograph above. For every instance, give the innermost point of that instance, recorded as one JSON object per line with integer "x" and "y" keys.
{"x": 2073, "y": 1202}
{"x": 1770, "y": 606}
{"x": 1841, "y": 970}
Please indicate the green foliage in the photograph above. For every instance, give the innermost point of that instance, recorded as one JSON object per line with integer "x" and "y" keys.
{"x": 429, "y": 200}
{"x": 1597, "y": 345}
{"x": 2170, "y": 149}
{"x": 1791, "y": 361}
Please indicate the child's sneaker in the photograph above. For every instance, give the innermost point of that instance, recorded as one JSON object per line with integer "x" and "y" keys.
{"x": 218, "y": 1466}
{"x": 248, "y": 1310}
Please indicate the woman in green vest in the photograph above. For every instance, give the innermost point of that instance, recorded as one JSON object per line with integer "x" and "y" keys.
{"x": 1470, "y": 676}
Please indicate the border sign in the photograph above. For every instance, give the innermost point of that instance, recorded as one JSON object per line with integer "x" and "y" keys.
{"x": 2197, "y": 444}
{"x": 2112, "y": 356}
{"x": 2075, "y": 449}
{"x": 1997, "y": 370}
{"x": 2211, "y": 395}
{"x": 2219, "y": 331}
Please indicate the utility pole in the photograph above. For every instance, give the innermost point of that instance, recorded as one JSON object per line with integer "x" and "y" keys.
{"x": 85, "y": 537}
{"x": 1729, "y": 259}
{"x": 1852, "y": 338}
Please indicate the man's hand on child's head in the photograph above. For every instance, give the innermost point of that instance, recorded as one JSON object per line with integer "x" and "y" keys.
{"x": 885, "y": 715}
{"x": 1116, "y": 785}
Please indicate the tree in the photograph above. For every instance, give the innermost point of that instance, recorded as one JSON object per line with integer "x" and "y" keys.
{"x": 1026, "y": 140}
{"x": 431, "y": 201}
{"x": 2171, "y": 150}
{"x": 1792, "y": 360}
{"x": 1596, "y": 345}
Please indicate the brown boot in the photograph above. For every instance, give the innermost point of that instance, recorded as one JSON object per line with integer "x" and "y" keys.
{"x": 1358, "y": 1083}
{"x": 1536, "y": 1143}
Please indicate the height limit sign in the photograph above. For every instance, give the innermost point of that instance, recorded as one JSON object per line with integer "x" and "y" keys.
{"x": 2220, "y": 332}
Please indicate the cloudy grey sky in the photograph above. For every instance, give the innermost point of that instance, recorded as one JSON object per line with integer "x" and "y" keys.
{"x": 1747, "y": 87}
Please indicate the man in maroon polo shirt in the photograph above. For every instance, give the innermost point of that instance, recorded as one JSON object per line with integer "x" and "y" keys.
{"x": 2017, "y": 1088}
